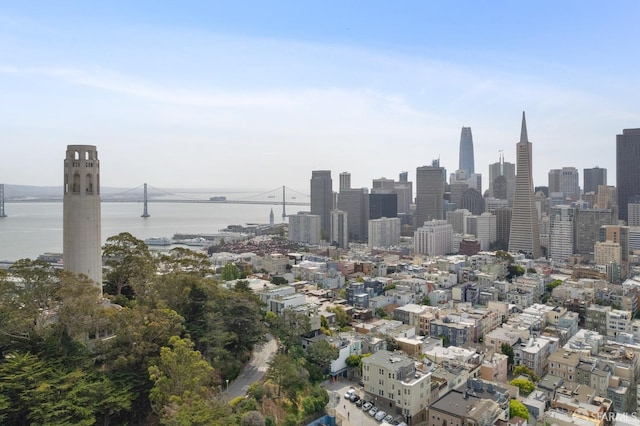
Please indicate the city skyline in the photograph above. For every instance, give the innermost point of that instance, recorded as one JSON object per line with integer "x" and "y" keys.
{"x": 211, "y": 95}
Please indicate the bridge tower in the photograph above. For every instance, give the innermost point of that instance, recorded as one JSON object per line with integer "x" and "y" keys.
{"x": 145, "y": 211}
{"x": 82, "y": 251}
{"x": 284, "y": 203}
{"x": 2, "y": 213}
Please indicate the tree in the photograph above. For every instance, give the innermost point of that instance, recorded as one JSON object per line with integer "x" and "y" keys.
{"x": 341, "y": 316}
{"x": 524, "y": 370}
{"x": 445, "y": 339}
{"x": 26, "y": 304}
{"x": 507, "y": 350}
{"x": 553, "y": 284}
{"x": 279, "y": 367}
{"x": 322, "y": 353}
{"x": 525, "y": 386}
{"x": 253, "y": 418}
{"x": 517, "y": 408}
{"x": 289, "y": 327}
{"x": 279, "y": 280}
{"x": 514, "y": 271}
{"x": 179, "y": 371}
{"x": 229, "y": 272}
{"x": 180, "y": 259}
{"x": 129, "y": 265}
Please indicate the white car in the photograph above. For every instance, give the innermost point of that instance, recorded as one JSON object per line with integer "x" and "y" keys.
{"x": 349, "y": 393}
{"x": 380, "y": 415}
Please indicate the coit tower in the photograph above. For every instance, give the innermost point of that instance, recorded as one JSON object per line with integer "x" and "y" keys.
{"x": 82, "y": 252}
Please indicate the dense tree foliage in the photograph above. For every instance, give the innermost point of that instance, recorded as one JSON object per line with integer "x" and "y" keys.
{"x": 523, "y": 369}
{"x": 507, "y": 350}
{"x": 153, "y": 350}
{"x": 517, "y": 408}
{"x": 525, "y": 386}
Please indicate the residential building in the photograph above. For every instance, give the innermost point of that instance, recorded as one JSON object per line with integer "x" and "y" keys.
{"x": 305, "y": 227}
{"x": 561, "y": 236}
{"x": 384, "y": 232}
{"x": 392, "y": 380}
{"x": 340, "y": 228}
{"x": 435, "y": 238}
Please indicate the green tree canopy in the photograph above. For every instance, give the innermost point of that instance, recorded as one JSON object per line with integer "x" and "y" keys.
{"x": 523, "y": 369}
{"x": 525, "y": 386}
{"x": 322, "y": 353}
{"x": 507, "y": 350}
{"x": 129, "y": 265}
{"x": 229, "y": 272}
{"x": 179, "y": 371}
{"x": 517, "y": 408}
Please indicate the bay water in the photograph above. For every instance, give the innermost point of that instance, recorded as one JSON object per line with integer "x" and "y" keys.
{"x": 33, "y": 228}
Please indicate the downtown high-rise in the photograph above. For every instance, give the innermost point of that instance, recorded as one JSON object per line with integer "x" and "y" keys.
{"x": 466, "y": 151}
{"x": 430, "y": 182}
{"x": 627, "y": 169}
{"x": 322, "y": 199}
{"x": 524, "y": 234}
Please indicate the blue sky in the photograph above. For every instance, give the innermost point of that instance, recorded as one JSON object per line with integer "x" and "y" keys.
{"x": 258, "y": 94}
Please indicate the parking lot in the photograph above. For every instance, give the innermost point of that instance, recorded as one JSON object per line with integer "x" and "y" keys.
{"x": 347, "y": 412}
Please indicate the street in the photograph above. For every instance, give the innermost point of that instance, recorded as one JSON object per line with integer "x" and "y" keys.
{"x": 254, "y": 370}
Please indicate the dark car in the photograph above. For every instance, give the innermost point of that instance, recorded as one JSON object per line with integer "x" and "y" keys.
{"x": 359, "y": 403}
{"x": 354, "y": 398}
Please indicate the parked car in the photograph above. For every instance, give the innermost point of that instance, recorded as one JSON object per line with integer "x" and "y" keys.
{"x": 348, "y": 394}
{"x": 380, "y": 415}
{"x": 389, "y": 418}
{"x": 366, "y": 406}
{"x": 359, "y": 403}
{"x": 354, "y": 397}
{"x": 373, "y": 411}
{"x": 394, "y": 422}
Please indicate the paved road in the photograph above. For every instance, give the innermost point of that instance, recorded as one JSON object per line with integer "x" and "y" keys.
{"x": 254, "y": 370}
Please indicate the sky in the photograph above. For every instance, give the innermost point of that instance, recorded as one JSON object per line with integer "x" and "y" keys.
{"x": 257, "y": 94}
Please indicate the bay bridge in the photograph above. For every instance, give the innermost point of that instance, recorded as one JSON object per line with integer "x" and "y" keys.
{"x": 278, "y": 196}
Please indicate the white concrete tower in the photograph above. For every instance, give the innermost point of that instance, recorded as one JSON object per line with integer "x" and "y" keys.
{"x": 82, "y": 251}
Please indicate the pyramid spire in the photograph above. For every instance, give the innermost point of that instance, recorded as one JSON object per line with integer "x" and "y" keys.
{"x": 523, "y": 133}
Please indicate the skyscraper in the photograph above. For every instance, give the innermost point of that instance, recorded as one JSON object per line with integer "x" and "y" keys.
{"x": 82, "y": 250}
{"x": 466, "y": 151}
{"x": 429, "y": 193}
{"x": 562, "y": 233}
{"x": 507, "y": 185}
{"x": 627, "y": 169}
{"x": 592, "y": 178}
{"x": 355, "y": 202}
{"x": 404, "y": 189}
{"x": 524, "y": 235}
{"x": 570, "y": 183}
{"x": 554, "y": 180}
{"x": 339, "y": 228}
{"x": 322, "y": 199}
{"x": 345, "y": 181}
